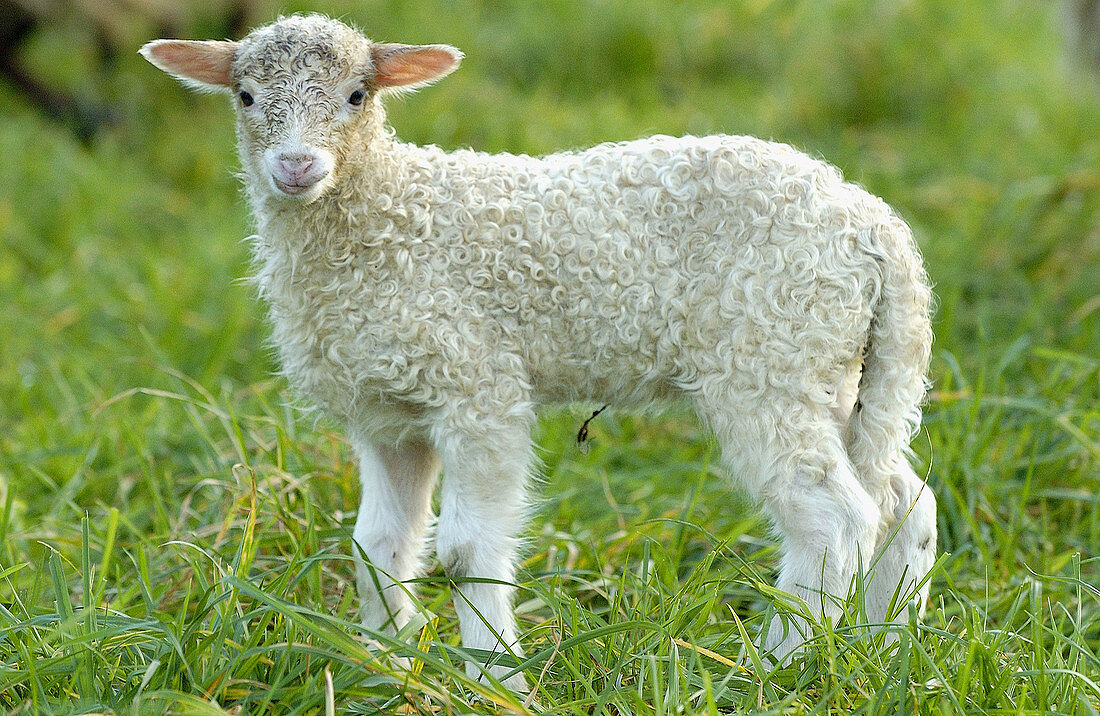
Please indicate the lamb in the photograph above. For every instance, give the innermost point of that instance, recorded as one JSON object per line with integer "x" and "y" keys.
{"x": 430, "y": 300}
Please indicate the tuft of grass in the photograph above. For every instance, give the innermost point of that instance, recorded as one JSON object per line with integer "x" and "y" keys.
{"x": 175, "y": 538}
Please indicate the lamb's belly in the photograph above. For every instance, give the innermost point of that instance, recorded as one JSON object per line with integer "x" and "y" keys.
{"x": 620, "y": 362}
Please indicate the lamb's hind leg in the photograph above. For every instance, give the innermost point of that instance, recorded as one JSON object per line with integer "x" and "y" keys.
{"x": 794, "y": 462}
{"x": 907, "y": 550}
{"x": 907, "y": 542}
{"x": 394, "y": 514}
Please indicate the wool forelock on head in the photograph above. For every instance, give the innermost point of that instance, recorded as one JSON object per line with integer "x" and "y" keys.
{"x": 307, "y": 52}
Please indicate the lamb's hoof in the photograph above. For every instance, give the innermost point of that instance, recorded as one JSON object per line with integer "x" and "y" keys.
{"x": 384, "y": 653}
{"x": 784, "y": 640}
{"x": 517, "y": 683}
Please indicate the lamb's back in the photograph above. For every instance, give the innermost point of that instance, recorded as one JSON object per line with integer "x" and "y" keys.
{"x": 607, "y": 271}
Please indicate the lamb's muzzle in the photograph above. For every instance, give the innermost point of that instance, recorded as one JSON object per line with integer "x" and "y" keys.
{"x": 298, "y": 170}
{"x": 430, "y": 300}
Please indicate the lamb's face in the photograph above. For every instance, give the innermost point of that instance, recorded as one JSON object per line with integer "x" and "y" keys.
{"x": 304, "y": 86}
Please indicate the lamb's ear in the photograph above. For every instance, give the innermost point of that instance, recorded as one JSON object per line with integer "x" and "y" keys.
{"x": 407, "y": 67}
{"x": 200, "y": 64}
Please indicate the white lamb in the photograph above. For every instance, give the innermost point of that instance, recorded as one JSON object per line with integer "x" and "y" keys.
{"x": 430, "y": 300}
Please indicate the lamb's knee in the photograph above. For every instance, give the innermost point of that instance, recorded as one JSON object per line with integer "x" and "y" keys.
{"x": 831, "y": 506}
{"x": 829, "y": 529}
{"x": 472, "y": 555}
{"x": 456, "y": 557}
{"x": 925, "y": 511}
{"x": 374, "y": 543}
{"x": 914, "y": 509}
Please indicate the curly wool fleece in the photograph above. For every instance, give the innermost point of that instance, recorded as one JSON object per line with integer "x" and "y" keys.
{"x": 429, "y": 300}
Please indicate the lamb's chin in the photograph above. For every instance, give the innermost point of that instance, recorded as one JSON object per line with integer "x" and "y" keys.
{"x": 292, "y": 194}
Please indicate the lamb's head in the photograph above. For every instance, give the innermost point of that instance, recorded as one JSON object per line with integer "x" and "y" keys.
{"x": 306, "y": 89}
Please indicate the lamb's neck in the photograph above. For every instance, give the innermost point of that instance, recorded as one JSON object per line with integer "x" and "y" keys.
{"x": 371, "y": 187}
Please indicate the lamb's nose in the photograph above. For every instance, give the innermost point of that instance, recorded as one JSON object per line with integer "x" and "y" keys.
{"x": 295, "y": 165}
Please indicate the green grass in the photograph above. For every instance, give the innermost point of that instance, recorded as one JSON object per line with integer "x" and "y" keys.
{"x": 174, "y": 537}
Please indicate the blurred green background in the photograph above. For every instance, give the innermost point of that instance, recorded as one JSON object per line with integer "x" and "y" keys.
{"x": 121, "y": 253}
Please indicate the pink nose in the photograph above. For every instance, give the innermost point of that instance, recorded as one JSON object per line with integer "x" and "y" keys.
{"x": 295, "y": 166}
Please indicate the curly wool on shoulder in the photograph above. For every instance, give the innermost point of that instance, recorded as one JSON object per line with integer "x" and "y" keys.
{"x": 430, "y": 300}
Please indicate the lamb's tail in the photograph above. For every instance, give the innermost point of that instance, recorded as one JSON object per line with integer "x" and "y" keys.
{"x": 894, "y": 382}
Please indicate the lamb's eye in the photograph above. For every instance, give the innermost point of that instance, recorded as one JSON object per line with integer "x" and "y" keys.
{"x": 356, "y": 98}
{"x": 246, "y": 99}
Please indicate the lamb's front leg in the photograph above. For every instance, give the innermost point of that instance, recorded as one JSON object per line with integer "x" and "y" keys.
{"x": 394, "y": 514}
{"x": 482, "y": 505}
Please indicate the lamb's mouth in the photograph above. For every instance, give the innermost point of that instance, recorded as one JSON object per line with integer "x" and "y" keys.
{"x": 294, "y": 189}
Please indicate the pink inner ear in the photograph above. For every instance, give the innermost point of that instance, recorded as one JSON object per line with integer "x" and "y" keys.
{"x": 414, "y": 65}
{"x": 201, "y": 61}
